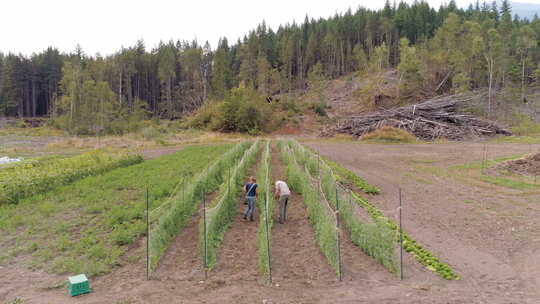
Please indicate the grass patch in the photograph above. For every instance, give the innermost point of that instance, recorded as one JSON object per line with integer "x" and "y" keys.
{"x": 93, "y": 220}
{"x": 389, "y": 135}
{"x": 528, "y": 139}
{"x": 509, "y": 183}
{"x": 488, "y": 163}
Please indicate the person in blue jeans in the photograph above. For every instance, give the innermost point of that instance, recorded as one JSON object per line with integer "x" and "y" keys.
{"x": 250, "y": 188}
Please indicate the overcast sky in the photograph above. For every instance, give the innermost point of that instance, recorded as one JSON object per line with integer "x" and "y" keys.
{"x": 103, "y": 26}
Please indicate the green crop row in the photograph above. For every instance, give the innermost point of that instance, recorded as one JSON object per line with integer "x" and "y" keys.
{"x": 342, "y": 174}
{"x": 219, "y": 217}
{"x": 33, "y": 178}
{"x": 423, "y": 256}
{"x": 345, "y": 175}
{"x": 266, "y": 206}
{"x": 321, "y": 216}
{"x": 173, "y": 215}
{"x": 375, "y": 239}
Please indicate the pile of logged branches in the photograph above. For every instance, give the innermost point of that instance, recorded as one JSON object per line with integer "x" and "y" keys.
{"x": 433, "y": 119}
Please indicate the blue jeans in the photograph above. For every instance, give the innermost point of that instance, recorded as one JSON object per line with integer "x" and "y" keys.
{"x": 250, "y": 207}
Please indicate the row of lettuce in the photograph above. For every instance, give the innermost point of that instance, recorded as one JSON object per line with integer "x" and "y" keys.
{"x": 31, "y": 178}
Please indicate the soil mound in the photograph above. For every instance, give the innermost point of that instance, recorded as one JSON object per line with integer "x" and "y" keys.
{"x": 529, "y": 165}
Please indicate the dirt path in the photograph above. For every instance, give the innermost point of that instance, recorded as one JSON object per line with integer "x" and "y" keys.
{"x": 237, "y": 258}
{"x": 182, "y": 260}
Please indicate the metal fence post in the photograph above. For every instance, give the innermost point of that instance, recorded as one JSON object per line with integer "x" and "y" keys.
{"x": 400, "y": 240}
{"x": 205, "y": 237}
{"x": 184, "y": 190}
{"x": 267, "y": 238}
{"x": 147, "y": 235}
{"x": 338, "y": 236}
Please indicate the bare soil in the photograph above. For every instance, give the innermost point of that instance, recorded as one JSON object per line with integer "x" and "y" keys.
{"x": 488, "y": 234}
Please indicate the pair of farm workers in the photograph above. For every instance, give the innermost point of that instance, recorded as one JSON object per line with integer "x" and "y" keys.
{"x": 281, "y": 192}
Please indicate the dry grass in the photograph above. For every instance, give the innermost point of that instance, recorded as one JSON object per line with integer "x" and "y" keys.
{"x": 135, "y": 141}
{"x": 390, "y": 135}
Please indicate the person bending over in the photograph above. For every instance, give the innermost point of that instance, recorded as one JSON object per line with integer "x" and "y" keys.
{"x": 282, "y": 193}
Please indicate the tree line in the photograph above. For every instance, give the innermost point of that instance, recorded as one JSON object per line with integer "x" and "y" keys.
{"x": 435, "y": 51}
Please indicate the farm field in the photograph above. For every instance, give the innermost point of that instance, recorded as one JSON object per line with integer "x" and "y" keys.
{"x": 483, "y": 226}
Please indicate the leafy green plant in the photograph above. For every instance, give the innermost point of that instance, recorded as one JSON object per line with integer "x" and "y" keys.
{"x": 33, "y": 178}
{"x": 219, "y": 217}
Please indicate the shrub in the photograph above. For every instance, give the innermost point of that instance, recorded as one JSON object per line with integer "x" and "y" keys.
{"x": 524, "y": 126}
{"x": 389, "y": 135}
{"x": 150, "y": 133}
{"x": 320, "y": 109}
{"x": 242, "y": 110}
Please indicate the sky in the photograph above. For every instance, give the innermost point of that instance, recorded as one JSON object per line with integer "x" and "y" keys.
{"x": 104, "y": 26}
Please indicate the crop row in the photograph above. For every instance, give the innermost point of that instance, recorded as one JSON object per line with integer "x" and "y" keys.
{"x": 29, "y": 179}
{"x": 374, "y": 238}
{"x": 218, "y": 218}
{"x": 172, "y": 216}
{"x": 266, "y": 206}
{"x": 344, "y": 175}
{"x": 422, "y": 255}
{"x": 321, "y": 216}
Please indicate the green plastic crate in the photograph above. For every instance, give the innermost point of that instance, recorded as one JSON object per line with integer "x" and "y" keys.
{"x": 78, "y": 285}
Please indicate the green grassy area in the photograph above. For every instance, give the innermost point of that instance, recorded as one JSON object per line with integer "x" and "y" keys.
{"x": 510, "y": 182}
{"x": 85, "y": 227}
{"x": 487, "y": 164}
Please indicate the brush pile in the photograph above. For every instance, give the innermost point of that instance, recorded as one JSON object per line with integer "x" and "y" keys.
{"x": 433, "y": 119}
{"x": 529, "y": 165}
